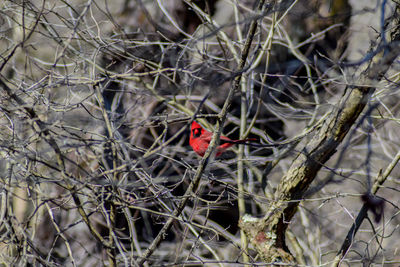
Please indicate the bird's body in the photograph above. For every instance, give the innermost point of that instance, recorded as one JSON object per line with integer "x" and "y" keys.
{"x": 200, "y": 139}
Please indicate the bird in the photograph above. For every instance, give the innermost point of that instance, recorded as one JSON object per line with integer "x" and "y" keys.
{"x": 200, "y": 139}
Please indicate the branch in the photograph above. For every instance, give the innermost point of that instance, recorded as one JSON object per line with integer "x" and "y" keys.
{"x": 268, "y": 234}
{"x": 59, "y": 157}
{"x": 192, "y": 188}
{"x": 363, "y": 212}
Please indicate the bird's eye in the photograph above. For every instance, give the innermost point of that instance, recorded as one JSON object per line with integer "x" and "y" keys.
{"x": 196, "y": 132}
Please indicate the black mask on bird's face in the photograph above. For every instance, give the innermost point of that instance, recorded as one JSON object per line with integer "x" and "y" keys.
{"x": 196, "y": 132}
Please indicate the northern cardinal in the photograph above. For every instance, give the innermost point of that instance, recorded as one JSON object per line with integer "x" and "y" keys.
{"x": 200, "y": 139}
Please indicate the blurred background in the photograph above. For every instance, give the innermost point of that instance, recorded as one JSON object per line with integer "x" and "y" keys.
{"x": 96, "y": 100}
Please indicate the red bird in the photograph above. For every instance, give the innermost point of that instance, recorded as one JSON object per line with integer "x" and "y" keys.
{"x": 200, "y": 139}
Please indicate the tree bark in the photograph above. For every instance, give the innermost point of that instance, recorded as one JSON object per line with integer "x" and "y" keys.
{"x": 267, "y": 234}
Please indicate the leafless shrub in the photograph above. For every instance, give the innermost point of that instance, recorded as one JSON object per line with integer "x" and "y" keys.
{"x": 96, "y": 99}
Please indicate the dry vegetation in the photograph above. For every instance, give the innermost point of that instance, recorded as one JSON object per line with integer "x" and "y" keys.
{"x": 96, "y": 99}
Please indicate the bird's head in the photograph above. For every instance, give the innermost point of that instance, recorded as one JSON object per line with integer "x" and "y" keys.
{"x": 195, "y": 130}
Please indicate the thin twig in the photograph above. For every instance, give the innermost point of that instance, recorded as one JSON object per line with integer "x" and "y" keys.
{"x": 192, "y": 188}
{"x": 363, "y": 213}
